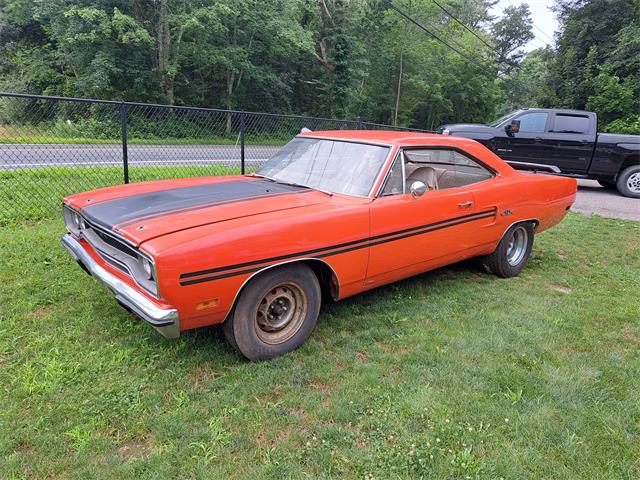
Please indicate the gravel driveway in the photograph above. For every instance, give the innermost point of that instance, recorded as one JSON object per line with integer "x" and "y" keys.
{"x": 593, "y": 199}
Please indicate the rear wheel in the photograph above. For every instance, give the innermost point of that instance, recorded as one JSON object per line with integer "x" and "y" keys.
{"x": 275, "y": 313}
{"x": 512, "y": 253}
{"x": 628, "y": 182}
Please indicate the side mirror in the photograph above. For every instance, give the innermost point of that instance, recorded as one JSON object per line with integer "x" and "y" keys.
{"x": 512, "y": 128}
{"x": 417, "y": 189}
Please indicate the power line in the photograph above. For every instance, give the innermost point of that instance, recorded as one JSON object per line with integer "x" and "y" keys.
{"x": 430, "y": 33}
{"x": 536, "y": 27}
{"x": 461, "y": 23}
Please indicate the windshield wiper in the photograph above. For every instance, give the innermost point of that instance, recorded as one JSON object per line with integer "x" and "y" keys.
{"x": 293, "y": 184}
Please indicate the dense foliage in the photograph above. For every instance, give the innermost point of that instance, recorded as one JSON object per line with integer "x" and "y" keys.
{"x": 596, "y": 65}
{"x": 344, "y": 58}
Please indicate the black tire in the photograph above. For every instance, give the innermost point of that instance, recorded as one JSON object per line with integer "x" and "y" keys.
{"x": 608, "y": 185}
{"x": 275, "y": 313}
{"x": 504, "y": 261}
{"x": 628, "y": 182}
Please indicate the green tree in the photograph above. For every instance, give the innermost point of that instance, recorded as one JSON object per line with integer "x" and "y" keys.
{"x": 512, "y": 32}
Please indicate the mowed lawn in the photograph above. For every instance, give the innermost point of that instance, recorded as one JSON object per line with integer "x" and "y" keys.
{"x": 452, "y": 374}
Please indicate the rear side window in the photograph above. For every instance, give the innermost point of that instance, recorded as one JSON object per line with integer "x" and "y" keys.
{"x": 442, "y": 169}
{"x": 570, "y": 124}
{"x": 533, "y": 122}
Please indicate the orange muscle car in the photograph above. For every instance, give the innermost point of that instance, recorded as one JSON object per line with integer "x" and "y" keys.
{"x": 331, "y": 215}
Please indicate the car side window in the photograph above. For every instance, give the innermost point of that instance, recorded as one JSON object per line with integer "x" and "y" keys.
{"x": 395, "y": 180}
{"x": 442, "y": 169}
{"x": 563, "y": 123}
{"x": 533, "y": 122}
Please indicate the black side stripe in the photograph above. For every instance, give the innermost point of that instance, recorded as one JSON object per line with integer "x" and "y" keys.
{"x": 332, "y": 247}
{"x": 336, "y": 249}
{"x": 125, "y": 224}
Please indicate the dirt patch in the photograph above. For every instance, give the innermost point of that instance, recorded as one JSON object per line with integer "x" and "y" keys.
{"x": 631, "y": 335}
{"x": 136, "y": 448}
{"x": 391, "y": 372}
{"x": 297, "y": 411}
{"x": 42, "y": 311}
{"x": 25, "y": 448}
{"x": 561, "y": 255}
{"x": 271, "y": 442}
{"x": 324, "y": 387}
{"x": 561, "y": 288}
{"x": 270, "y": 397}
{"x": 203, "y": 376}
{"x": 5, "y": 132}
{"x": 362, "y": 357}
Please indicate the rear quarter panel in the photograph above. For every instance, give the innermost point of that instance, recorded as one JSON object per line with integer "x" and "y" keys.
{"x": 545, "y": 198}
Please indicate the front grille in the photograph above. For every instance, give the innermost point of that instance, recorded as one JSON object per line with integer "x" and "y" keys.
{"x": 113, "y": 262}
{"x": 109, "y": 240}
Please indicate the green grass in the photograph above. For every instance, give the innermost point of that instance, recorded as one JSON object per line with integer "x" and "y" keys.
{"x": 451, "y": 374}
{"x": 37, "y": 194}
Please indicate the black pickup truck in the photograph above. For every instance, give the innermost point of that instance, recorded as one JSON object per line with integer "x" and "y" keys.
{"x": 564, "y": 142}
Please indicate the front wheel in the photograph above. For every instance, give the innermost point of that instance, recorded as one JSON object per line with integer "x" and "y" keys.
{"x": 275, "y": 313}
{"x": 628, "y": 182}
{"x": 512, "y": 253}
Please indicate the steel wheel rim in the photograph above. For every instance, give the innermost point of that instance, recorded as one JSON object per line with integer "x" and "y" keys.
{"x": 633, "y": 182}
{"x": 281, "y": 313}
{"x": 517, "y": 246}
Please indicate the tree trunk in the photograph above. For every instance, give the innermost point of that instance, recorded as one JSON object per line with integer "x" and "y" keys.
{"x": 164, "y": 46}
{"x": 395, "y": 114}
{"x": 231, "y": 77}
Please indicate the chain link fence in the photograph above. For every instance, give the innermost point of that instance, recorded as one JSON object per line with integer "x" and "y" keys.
{"x": 54, "y": 146}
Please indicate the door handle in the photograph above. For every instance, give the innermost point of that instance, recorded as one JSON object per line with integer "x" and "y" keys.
{"x": 465, "y": 204}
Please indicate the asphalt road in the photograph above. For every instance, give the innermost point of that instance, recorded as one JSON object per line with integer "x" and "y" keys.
{"x": 591, "y": 199}
{"x": 594, "y": 199}
{"x": 15, "y": 156}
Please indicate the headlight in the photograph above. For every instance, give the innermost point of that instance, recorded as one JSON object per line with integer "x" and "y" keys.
{"x": 77, "y": 221}
{"x": 144, "y": 273}
{"x": 148, "y": 268}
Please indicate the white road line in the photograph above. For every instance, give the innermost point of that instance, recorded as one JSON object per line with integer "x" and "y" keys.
{"x": 159, "y": 163}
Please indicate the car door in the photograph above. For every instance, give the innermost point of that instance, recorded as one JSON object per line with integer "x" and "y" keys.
{"x": 570, "y": 141}
{"x": 526, "y": 145}
{"x": 411, "y": 234}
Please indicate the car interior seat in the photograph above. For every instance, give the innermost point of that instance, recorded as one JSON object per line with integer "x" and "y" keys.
{"x": 426, "y": 175}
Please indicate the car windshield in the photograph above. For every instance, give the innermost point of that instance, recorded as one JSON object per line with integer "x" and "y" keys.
{"x": 330, "y": 165}
{"x": 497, "y": 122}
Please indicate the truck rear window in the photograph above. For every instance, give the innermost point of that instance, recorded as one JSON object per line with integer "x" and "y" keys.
{"x": 564, "y": 123}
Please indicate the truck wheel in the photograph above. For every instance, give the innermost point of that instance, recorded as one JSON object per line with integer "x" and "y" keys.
{"x": 629, "y": 182}
{"x": 275, "y": 313}
{"x": 512, "y": 253}
{"x": 607, "y": 185}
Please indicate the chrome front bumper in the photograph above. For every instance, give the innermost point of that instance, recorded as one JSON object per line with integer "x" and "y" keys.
{"x": 164, "y": 320}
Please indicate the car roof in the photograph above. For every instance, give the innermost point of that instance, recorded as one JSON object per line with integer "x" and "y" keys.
{"x": 388, "y": 137}
{"x": 556, "y": 110}
{"x": 417, "y": 139}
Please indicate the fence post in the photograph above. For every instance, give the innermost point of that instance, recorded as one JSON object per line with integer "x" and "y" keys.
{"x": 242, "y": 119}
{"x": 123, "y": 136}
{"x": 359, "y": 123}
